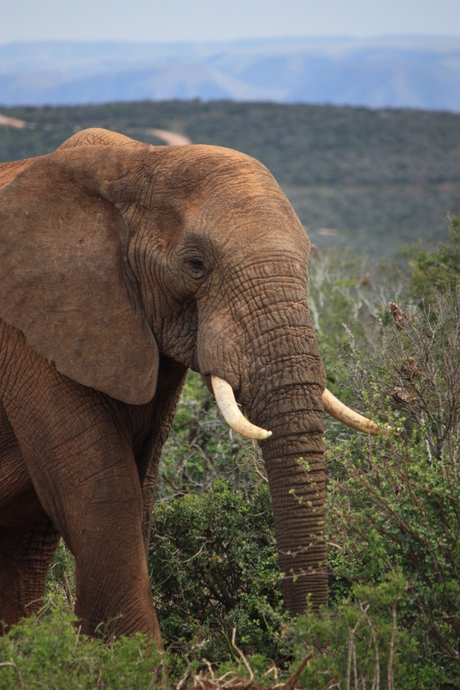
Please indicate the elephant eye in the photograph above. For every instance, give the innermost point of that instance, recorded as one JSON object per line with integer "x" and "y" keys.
{"x": 197, "y": 265}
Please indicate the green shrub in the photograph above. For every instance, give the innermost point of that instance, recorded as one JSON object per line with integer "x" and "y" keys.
{"x": 436, "y": 269}
{"x": 214, "y": 566}
{"x": 359, "y": 644}
{"x": 394, "y": 501}
{"x": 48, "y": 651}
{"x": 390, "y": 510}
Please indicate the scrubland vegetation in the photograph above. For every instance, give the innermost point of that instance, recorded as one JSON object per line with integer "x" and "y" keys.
{"x": 390, "y": 342}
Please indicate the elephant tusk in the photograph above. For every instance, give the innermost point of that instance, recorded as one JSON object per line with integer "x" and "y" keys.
{"x": 226, "y": 403}
{"x": 343, "y": 414}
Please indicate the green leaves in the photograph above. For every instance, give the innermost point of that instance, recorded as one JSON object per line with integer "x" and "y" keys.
{"x": 436, "y": 269}
{"x": 394, "y": 501}
{"x": 214, "y": 566}
{"x": 48, "y": 651}
{"x": 360, "y": 643}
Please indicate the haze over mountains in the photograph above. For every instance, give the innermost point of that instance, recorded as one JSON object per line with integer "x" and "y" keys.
{"x": 397, "y": 72}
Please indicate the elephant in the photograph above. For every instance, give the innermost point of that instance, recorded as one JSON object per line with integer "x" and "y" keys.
{"x": 123, "y": 266}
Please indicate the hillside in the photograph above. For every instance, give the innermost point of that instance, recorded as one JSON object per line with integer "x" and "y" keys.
{"x": 368, "y": 179}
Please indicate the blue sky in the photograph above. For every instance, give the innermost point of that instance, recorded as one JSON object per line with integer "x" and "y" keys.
{"x": 207, "y": 20}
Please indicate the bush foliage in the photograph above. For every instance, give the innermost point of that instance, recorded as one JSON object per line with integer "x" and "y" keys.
{"x": 214, "y": 566}
{"x": 48, "y": 651}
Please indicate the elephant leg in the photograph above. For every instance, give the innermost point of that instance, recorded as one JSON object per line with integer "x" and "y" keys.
{"x": 25, "y": 555}
{"x": 100, "y": 517}
{"x": 83, "y": 470}
{"x": 171, "y": 379}
{"x": 95, "y": 499}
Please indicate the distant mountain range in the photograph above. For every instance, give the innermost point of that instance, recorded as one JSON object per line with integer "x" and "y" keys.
{"x": 396, "y": 72}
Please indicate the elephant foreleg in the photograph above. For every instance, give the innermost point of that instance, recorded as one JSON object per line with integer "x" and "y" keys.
{"x": 25, "y": 555}
{"x": 171, "y": 380}
{"x": 84, "y": 473}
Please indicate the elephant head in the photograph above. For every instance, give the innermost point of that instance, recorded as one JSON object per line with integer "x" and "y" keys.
{"x": 115, "y": 255}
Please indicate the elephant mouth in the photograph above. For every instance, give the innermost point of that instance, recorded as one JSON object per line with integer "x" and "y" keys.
{"x": 226, "y": 402}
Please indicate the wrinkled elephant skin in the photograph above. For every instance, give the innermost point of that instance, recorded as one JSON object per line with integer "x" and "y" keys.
{"x": 122, "y": 266}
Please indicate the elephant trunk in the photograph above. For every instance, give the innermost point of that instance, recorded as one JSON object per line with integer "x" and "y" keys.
{"x": 296, "y": 476}
{"x": 265, "y": 348}
{"x": 289, "y": 403}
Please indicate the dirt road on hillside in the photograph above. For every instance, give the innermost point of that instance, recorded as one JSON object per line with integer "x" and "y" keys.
{"x": 170, "y": 138}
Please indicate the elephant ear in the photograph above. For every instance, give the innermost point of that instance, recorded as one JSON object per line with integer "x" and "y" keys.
{"x": 66, "y": 281}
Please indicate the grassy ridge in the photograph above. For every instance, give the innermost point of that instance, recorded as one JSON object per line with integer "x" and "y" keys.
{"x": 378, "y": 178}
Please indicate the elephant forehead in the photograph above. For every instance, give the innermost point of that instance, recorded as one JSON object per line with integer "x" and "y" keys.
{"x": 212, "y": 169}
{"x": 226, "y": 194}
{"x": 261, "y": 221}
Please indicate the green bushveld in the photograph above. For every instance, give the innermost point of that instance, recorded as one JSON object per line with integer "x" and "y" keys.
{"x": 393, "y": 508}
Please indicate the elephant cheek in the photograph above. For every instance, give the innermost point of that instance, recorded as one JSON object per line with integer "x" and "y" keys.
{"x": 216, "y": 352}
